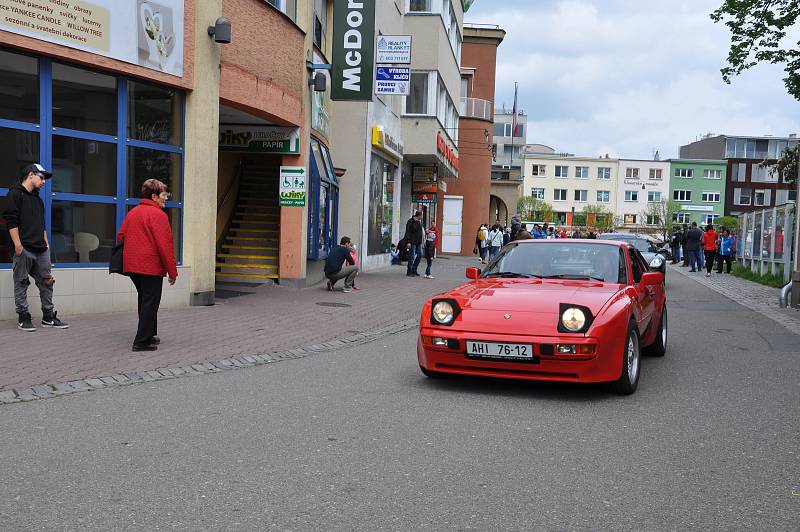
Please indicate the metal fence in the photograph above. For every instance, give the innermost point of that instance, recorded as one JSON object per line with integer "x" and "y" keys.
{"x": 765, "y": 241}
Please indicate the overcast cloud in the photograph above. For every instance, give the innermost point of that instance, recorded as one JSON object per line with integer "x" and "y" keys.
{"x": 627, "y": 77}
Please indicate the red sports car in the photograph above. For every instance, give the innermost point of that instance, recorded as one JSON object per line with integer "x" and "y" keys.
{"x": 557, "y": 310}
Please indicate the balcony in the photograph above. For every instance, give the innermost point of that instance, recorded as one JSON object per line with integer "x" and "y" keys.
{"x": 476, "y": 108}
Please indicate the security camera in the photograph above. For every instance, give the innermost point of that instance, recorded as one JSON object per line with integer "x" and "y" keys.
{"x": 221, "y": 31}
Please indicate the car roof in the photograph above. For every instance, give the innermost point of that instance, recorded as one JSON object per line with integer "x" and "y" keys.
{"x": 556, "y": 241}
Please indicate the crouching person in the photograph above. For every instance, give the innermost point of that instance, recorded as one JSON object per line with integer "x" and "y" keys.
{"x": 335, "y": 268}
{"x": 24, "y": 215}
{"x": 147, "y": 257}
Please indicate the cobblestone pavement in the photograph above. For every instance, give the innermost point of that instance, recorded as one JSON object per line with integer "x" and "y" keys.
{"x": 267, "y": 319}
{"x": 757, "y": 297}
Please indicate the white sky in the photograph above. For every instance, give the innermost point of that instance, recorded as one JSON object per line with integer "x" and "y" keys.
{"x": 626, "y": 77}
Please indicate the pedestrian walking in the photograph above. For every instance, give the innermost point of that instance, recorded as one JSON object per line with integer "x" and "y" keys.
{"x": 148, "y": 255}
{"x": 414, "y": 235}
{"x": 516, "y": 224}
{"x": 684, "y": 241}
{"x": 693, "y": 245}
{"x": 523, "y": 233}
{"x": 506, "y": 235}
{"x": 335, "y": 268}
{"x": 24, "y": 216}
{"x": 725, "y": 250}
{"x": 675, "y": 244}
{"x": 430, "y": 250}
{"x": 709, "y": 248}
{"x": 495, "y": 241}
{"x": 482, "y": 243}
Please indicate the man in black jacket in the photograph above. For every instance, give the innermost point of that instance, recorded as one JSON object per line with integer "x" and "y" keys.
{"x": 694, "y": 247}
{"x": 335, "y": 268}
{"x": 415, "y": 235}
{"x": 24, "y": 215}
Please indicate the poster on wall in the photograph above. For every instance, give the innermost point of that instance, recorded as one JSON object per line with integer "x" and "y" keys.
{"x": 292, "y": 186}
{"x": 148, "y": 33}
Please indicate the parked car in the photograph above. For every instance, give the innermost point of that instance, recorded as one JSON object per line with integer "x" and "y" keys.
{"x": 656, "y": 257}
{"x": 555, "y": 310}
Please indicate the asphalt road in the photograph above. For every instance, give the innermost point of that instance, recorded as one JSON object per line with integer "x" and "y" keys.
{"x": 359, "y": 440}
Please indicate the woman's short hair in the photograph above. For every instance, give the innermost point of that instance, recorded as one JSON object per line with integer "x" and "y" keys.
{"x": 152, "y": 186}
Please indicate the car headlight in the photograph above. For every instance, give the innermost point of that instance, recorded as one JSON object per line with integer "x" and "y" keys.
{"x": 657, "y": 262}
{"x": 573, "y": 319}
{"x": 443, "y": 312}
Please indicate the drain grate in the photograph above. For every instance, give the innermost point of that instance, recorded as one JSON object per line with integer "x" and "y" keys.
{"x": 333, "y": 304}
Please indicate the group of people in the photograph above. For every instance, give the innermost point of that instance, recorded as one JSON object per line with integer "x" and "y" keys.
{"x": 699, "y": 249}
{"x": 489, "y": 241}
{"x": 147, "y": 253}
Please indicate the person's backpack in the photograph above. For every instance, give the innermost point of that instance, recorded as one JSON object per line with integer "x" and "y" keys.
{"x": 481, "y": 235}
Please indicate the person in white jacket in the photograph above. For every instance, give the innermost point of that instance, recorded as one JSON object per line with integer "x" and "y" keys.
{"x": 495, "y": 238}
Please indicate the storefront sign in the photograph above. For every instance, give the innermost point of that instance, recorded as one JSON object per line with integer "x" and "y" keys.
{"x": 424, "y": 173}
{"x": 424, "y": 188}
{"x": 392, "y": 80}
{"x": 446, "y": 152}
{"x": 384, "y": 141}
{"x": 630, "y": 219}
{"x": 423, "y": 198}
{"x": 704, "y": 208}
{"x": 292, "y": 186}
{"x": 145, "y": 33}
{"x": 259, "y": 139}
{"x": 393, "y": 49}
{"x": 353, "y": 50}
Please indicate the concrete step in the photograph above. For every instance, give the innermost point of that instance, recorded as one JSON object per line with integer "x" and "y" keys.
{"x": 247, "y": 278}
{"x": 250, "y": 249}
{"x": 248, "y": 269}
{"x": 231, "y": 258}
{"x": 256, "y": 214}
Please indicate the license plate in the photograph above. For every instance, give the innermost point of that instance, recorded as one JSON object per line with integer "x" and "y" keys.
{"x": 496, "y": 350}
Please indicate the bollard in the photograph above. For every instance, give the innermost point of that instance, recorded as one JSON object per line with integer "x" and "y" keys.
{"x": 783, "y": 300}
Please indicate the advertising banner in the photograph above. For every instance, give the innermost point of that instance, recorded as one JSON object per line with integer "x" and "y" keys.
{"x": 423, "y": 198}
{"x": 353, "y": 50}
{"x": 259, "y": 139}
{"x": 424, "y": 188}
{"x": 148, "y": 33}
{"x": 392, "y": 80}
{"x": 424, "y": 173}
{"x": 393, "y": 49}
{"x": 292, "y": 186}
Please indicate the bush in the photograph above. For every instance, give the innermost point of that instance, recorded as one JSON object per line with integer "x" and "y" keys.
{"x": 768, "y": 279}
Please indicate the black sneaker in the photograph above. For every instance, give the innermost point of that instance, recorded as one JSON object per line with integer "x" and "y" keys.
{"x": 155, "y": 340}
{"x": 330, "y": 286}
{"x": 148, "y": 347}
{"x": 25, "y": 323}
{"x": 51, "y": 320}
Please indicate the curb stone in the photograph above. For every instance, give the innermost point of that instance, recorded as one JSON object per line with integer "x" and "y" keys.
{"x": 48, "y": 391}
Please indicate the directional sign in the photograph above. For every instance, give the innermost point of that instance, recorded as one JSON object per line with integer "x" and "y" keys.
{"x": 392, "y": 80}
{"x": 393, "y": 49}
{"x": 292, "y": 186}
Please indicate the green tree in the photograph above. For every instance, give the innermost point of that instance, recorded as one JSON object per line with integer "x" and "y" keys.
{"x": 598, "y": 216}
{"x": 787, "y": 166}
{"x": 534, "y": 209}
{"x": 758, "y": 34}
{"x": 730, "y": 222}
{"x": 661, "y": 213}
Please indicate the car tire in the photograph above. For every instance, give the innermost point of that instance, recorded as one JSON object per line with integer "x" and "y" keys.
{"x": 433, "y": 374}
{"x": 659, "y": 347}
{"x": 631, "y": 363}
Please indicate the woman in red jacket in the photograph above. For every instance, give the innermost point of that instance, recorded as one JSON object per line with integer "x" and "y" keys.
{"x": 147, "y": 257}
{"x": 710, "y": 247}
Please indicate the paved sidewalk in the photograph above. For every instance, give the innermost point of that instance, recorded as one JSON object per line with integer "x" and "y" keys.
{"x": 758, "y": 297}
{"x": 266, "y": 319}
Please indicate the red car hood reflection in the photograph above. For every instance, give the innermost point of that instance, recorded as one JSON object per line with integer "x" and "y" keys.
{"x": 532, "y": 303}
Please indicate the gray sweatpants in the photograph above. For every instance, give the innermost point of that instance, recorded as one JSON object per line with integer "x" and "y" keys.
{"x": 348, "y": 273}
{"x": 36, "y": 265}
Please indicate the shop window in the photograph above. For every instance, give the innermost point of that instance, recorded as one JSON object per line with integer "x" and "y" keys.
{"x": 381, "y": 203}
{"x": 82, "y": 231}
{"x": 323, "y": 203}
{"x": 84, "y": 166}
{"x": 154, "y": 113}
{"x": 17, "y": 149}
{"x": 84, "y": 100}
{"x": 19, "y": 87}
{"x": 144, "y": 164}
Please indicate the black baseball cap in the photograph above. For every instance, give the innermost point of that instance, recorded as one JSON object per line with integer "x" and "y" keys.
{"x": 36, "y": 168}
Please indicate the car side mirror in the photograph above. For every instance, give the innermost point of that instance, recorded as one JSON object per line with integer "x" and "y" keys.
{"x": 652, "y": 279}
{"x": 473, "y": 273}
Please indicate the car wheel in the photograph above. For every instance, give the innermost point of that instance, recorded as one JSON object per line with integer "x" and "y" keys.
{"x": 631, "y": 361}
{"x": 433, "y": 374}
{"x": 659, "y": 347}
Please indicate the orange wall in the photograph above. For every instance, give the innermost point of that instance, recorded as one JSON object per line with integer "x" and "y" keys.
{"x": 482, "y": 57}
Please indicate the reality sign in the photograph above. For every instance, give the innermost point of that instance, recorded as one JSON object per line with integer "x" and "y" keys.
{"x": 393, "y": 49}
{"x": 392, "y": 80}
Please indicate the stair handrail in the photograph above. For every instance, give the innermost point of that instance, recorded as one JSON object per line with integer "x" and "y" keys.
{"x": 233, "y": 182}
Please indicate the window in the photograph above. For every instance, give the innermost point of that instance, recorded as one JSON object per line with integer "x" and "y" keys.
{"x": 537, "y": 193}
{"x": 710, "y": 219}
{"x": 762, "y": 197}
{"x": 739, "y": 172}
{"x": 682, "y": 195}
{"x": 680, "y": 218}
{"x": 655, "y": 173}
{"x": 417, "y": 99}
{"x": 420, "y": 6}
{"x": 632, "y": 172}
{"x": 562, "y": 171}
{"x": 652, "y": 219}
{"x": 742, "y": 196}
{"x": 686, "y": 173}
{"x": 381, "y": 202}
{"x": 712, "y": 174}
{"x": 289, "y": 7}
{"x": 631, "y": 195}
{"x": 582, "y": 172}
{"x": 603, "y": 196}
{"x": 320, "y": 23}
{"x": 654, "y": 197}
{"x": 560, "y": 194}
{"x": 538, "y": 170}
{"x": 98, "y": 167}
{"x": 323, "y": 202}
{"x": 604, "y": 172}
{"x": 582, "y": 195}
{"x": 711, "y": 197}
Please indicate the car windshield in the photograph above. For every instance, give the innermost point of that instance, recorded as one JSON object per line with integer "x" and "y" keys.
{"x": 562, "y": 260}
{"x": 642, "y": 244}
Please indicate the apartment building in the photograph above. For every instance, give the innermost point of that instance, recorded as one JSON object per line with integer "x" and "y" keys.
{"x": 641, "y": 182}
{"x": 698, "y": 186}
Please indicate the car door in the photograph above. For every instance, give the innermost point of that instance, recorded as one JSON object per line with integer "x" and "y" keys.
{"x": 645, "y": 295}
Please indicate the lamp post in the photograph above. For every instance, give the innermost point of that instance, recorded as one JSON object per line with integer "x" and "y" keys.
{"x": 796, "y": 270}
